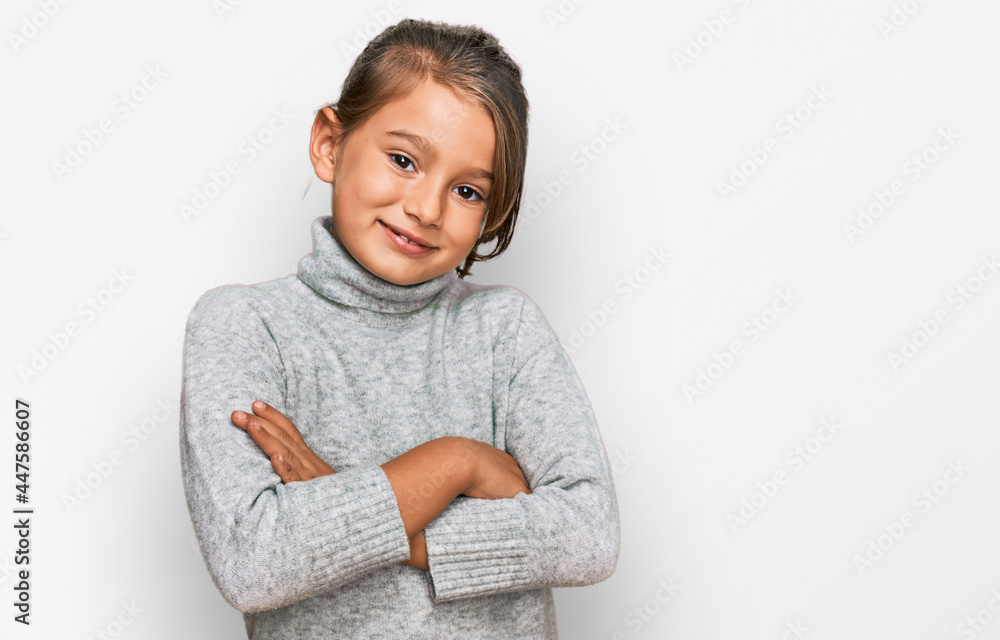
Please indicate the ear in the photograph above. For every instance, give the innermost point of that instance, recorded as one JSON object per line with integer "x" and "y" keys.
{"x": 324, "y": 143}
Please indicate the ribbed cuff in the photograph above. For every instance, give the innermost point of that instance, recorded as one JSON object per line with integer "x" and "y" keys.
{"x": 350, "y": 523}
{"x": 477, "y": 547}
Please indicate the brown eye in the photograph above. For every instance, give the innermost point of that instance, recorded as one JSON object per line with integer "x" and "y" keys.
{"x": 468, "y": 193}
{"x": 401, "y": 161}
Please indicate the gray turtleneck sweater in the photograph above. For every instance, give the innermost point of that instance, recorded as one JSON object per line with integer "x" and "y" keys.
{"x": 367, "y": 370}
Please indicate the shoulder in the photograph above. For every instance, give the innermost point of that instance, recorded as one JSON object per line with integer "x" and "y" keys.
{"x": 512, "y": 315}
{"x": 496, "y": 297}
{"x": 240, "y": 308}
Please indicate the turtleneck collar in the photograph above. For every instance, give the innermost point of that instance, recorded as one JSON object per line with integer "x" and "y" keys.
{"x": 334, "y": 274}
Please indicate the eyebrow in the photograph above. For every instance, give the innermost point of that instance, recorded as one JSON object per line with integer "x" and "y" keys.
{"x": 427, "y": 147}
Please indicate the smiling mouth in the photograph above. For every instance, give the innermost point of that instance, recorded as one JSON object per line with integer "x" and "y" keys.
{"x": 404, "y": 244}
{"x": 404, "y": 238}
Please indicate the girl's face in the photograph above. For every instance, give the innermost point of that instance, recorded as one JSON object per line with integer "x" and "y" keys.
{"x": 421, "y": 166}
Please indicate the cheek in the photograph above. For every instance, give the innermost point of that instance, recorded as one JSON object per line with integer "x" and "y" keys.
{"x": 466, "y": 229}
{"x": 367, "y": 186}
{"x": 384, "y": 188}
{"x": 375, "y": 184}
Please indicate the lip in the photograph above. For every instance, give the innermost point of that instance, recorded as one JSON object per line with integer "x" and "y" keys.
{"x": 391, "y": 234}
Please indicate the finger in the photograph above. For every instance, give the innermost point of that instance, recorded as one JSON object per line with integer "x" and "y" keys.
{"x": 239, "y": 419}
{"x": 283, "y": 469}
{"x": 244, "y": 420}
{"x": 265, "y": 410}
{"x": 270, "y": 445}
{"x": 292, "y": 472}
{"x": 293, "y": 460}
{"x": 275, "y": 432}
{"x": 302, "y": 465}
{"x": 285, "y": 472}
{"x": 280, "y": 468}
{"x": 269, "y": 439}
{"x": 303, "y": 458}
{"x": 273, "y": 447}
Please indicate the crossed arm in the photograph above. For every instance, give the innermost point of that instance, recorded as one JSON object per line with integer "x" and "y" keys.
{"x": 425, "y": 479}
{"x": 269, "y": 545}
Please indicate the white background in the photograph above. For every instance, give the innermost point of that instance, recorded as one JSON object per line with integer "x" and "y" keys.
{"x": 696, "y": 94}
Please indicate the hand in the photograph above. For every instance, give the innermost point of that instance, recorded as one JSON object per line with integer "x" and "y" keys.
{"x": 291, "y": 457}
{"x": 495, "y": 473}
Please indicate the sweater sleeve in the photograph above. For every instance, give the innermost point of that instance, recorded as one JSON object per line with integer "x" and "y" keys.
{"x": 566, "y": 533}
{"x": 269, "y": 544}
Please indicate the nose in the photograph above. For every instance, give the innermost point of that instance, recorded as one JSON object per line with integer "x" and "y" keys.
{"x": 424, "y": 202}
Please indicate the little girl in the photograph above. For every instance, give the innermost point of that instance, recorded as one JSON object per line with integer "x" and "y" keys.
{"x": 444, "y": 470}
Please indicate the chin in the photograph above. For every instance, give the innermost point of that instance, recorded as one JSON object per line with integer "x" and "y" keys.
{"x": 398, "y": 276}
{"x": 401, "y": 282}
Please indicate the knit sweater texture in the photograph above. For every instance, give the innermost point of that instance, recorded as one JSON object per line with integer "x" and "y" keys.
{"x": 366, "y": 370}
